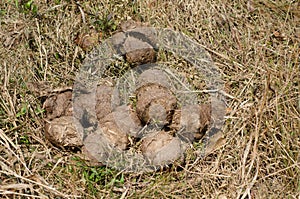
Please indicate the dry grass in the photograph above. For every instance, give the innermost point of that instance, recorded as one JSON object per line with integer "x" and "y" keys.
{"x": 254, "y": 43}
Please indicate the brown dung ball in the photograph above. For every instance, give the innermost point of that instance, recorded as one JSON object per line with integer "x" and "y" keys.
{"x": 138, "y": 52}
{"x": 59, "y": 105}
{"x": 161, "y": 148}
{"x": 191, "y": 121}
{"x": 107, "y": 97}
{"x": 155, "y": 103}
{"x": 64, "y": 131}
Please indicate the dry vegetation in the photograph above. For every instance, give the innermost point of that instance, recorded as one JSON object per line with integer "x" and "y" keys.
{"x": 254, "y": 43}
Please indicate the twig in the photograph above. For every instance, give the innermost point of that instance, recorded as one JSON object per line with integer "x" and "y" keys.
{"x": 4, "y": 192}
{"x": 39, "y": 184}
{"x": 81, "y": 11}
{"x": 222, "y": 92}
